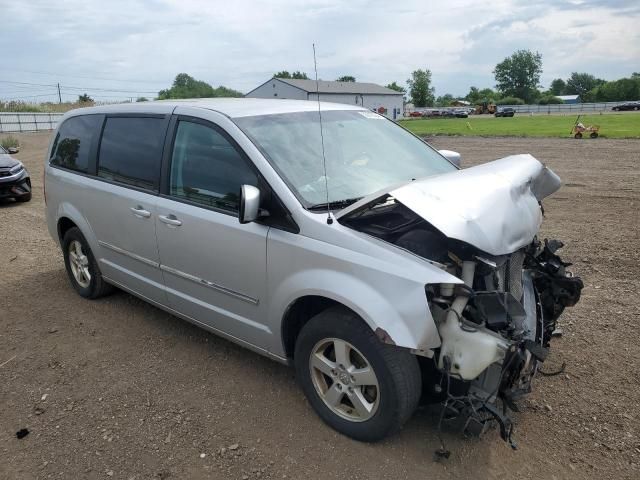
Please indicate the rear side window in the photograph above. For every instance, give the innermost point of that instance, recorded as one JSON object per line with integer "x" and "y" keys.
{"x": 72, "y": 144}
{"x": 131, "y": 151}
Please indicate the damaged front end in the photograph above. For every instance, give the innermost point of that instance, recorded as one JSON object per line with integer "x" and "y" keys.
{"x": 481, "y": 225}
{"x": 496, "y": 329}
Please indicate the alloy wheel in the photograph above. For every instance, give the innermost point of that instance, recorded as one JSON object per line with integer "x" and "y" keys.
{"x": 344, "y": 379}
{"x": 79, "y": 263}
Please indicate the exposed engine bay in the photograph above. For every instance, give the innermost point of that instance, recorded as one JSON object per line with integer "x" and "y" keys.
{"x": 496, "y": 327}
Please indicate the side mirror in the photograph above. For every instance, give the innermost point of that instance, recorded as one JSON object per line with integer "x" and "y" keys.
{"x": 453, "y": 157}
{"x": 12, "y": 150}
{"x": 249, "y": 204}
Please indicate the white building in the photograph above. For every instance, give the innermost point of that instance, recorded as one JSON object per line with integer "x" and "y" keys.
{"x": 569, "y": 98}
{"x": 369, "y": 95}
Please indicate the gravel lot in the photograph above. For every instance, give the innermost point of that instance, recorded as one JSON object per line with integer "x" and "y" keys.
{"x": 116, "y": 388}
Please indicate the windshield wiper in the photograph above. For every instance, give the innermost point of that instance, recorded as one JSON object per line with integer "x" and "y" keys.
{"x": 335, "y": 204}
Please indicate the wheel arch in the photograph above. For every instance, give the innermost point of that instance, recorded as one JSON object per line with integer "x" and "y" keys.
{"x": 64, "y": 225}
{"x": 68, "y": 217}
{"x": 406, "y": 325}
{"x": 298, "y": 313}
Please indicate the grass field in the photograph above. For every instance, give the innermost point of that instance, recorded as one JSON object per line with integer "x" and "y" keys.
{"x": 611, "y": 126}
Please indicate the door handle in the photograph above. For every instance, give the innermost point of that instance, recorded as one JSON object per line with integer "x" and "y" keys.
{"x": 170, "y": 220}
{"x": 140, "y": 212}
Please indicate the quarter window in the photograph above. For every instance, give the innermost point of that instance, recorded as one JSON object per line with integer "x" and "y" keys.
{"x": 72, "y": 144}
{"x": 206, "y": 168}
{"x": 131, "y": 151}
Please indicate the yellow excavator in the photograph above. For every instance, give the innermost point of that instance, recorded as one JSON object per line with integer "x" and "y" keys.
{"x": 485, "y": 107}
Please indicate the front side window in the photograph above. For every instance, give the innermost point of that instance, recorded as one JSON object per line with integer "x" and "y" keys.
{"x": 72, "y": 144}
{"x": 206, "y": 168}
{"x": 131, "y": 151}
{"x": 364, "y": 153}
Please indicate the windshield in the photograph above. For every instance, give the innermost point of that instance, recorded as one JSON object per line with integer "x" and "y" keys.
{"x": 365, "y": 153}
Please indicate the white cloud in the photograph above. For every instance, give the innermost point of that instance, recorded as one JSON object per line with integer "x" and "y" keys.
{"x": 241, "y": 43}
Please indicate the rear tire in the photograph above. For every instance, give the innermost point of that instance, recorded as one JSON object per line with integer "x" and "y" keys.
{"x": 578, "y": 135}
{"x": 81, "y": 265}
{"x": 390, "y": 395}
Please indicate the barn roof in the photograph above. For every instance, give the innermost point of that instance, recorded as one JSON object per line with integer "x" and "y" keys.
{"x": 324, "y": 86}
{"x": 565, "y": 98}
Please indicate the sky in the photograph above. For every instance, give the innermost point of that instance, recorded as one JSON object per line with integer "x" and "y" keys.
{"x": 116, "y": 49}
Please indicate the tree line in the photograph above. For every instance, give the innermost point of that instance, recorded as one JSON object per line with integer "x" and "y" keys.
{"x": 518, "y": 83}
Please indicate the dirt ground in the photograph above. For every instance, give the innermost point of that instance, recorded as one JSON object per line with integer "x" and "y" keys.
{"x": 116, "y": 388}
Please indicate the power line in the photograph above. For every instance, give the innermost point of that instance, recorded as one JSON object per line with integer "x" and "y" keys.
{"x": 72, "y": 87}
{"x": 26, "y": 83}
{"x": 26, "y": 92}
{"x": 23, "y": 93}
{"x": 31, "y": 96}
{"x": 92, "y": 78}
{"x": 96, "y": 89}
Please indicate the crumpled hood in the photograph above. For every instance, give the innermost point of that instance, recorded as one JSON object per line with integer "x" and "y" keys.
{"x": 493, "y": 206}
{"x": 7, "y": 160}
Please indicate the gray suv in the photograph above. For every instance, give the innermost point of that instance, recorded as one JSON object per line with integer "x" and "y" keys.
{"x": 339, "y": 243}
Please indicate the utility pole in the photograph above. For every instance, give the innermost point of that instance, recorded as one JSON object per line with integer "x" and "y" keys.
{"x": 59, "y": 96}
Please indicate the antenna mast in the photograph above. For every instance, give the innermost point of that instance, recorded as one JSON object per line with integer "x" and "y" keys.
{"x": 324, "y": 158}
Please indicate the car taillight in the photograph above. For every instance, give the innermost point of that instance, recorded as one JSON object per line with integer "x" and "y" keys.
{"x": 44, "y": 184}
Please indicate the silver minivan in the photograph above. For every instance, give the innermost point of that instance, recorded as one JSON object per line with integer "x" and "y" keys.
{"x": 324, "y": 236}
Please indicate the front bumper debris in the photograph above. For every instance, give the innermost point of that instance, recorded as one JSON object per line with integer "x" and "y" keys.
{"x": 521, "y": 311}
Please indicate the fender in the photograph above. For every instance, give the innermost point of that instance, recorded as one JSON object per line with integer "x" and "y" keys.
{"x": 386, "y": 289}
{"x": 66, "y": 209}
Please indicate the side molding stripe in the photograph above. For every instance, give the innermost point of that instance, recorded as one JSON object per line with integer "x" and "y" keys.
{"x": 129, "y": 254}
{"x": 179, "y": 273}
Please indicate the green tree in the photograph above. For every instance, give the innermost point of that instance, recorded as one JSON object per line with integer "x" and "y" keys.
{"x": 223, "y": 91}
{"x": 84, "y": 98}
{"x": 420, "y": 89}
{"x": 581, "y": 83}
{"x": 185, "y": 86}
{"x": 142, "y": 99}
{"x": 510, "y": 101}
{"x": 558, "y": 87}
{"x": 445, "y": 100}
{"x": 489, "y": 94}
{"x": 476, "y": 96}
{"x": 473, "y": 96}
{"x": 617, "y": 91}
{"x": 295, "y": 75}
{"x": 396, "y": 87}
{"x": 519, "y": 75}
{"x": 346, "y": 78}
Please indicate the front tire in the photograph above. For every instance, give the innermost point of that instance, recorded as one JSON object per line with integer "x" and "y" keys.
{"x": 359, "y": 386}
{"x": 82, "y": 267}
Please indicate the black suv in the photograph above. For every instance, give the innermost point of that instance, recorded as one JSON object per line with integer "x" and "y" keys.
{"x": 14, "y": 178}
{"x": 505, "y": 112}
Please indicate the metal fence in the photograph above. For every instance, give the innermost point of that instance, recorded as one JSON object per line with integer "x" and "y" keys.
{"x": 28, "y": 122}
{"x": 565, "y": 107}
